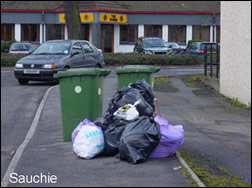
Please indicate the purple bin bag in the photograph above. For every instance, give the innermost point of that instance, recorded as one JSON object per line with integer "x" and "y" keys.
{"x": 172, "y": 137}
{"x": 78, "y": 128}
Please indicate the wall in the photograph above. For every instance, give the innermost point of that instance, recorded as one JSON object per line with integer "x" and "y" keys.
{"x": 235, "y": 62}
{"x": 117, "y": 46}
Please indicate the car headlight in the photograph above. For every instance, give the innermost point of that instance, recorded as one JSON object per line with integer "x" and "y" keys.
{"x": 18, "y": 66}
{"x": 49, "y": 66}
{"x": 148, "y": 52}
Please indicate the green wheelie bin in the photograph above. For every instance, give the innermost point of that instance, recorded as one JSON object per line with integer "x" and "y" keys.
{"x": 81, "y": 96}
{"x": 131, "y": 73}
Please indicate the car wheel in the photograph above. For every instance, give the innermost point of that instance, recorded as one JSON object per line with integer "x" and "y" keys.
{"x": 56, "y": 81}
{"x": 23, "y": 82}
{"x": 98, "y": 66}
{"x": 66, "y": 68}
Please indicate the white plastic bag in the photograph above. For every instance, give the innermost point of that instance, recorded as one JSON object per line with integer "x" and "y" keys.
{"x": 89, "y": 142}
{"x": 128, "y": 111}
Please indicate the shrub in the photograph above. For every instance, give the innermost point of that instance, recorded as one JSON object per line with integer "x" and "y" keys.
{"x": 137, "y": 59}
{"x": 190, "y": 41}
{"x": 10, "y": 59}
{"x": 6, "y": 45}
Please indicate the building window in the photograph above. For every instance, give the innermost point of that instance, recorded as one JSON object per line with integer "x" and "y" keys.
{"x": 128, "y": 34}
{"x": 218, "y": 33}
{"x": 84, "y": 32}
{"x": 201, "y": 32}
{"x": 30, "y": 32}
{"x": 7, "y": 32}
{"x": 55, "y": 31}
{"x": 153, "y": 31}
{"x": 177, "y": 33}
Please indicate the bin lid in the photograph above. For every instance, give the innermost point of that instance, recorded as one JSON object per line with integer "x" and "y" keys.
{"x": 137, "y": 68}
{"x": 82, "y": 71}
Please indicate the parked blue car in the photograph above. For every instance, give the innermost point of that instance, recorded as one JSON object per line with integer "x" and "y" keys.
{"x": 198, "y": 48}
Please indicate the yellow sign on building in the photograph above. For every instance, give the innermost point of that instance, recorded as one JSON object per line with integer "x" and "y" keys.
{"x": 62, "y": 18}
{"x": 118, "y": 18}
{"x": 84, "y": 17}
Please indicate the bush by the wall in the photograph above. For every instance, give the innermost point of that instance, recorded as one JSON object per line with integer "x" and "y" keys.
{"x": 10, "y": 59}
{"x": 6, "y": 45}
{"x": 137, "y": 59}
{"x": 190, "y": 41}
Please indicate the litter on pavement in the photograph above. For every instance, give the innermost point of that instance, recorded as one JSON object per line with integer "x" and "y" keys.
{"x": 130, "y": 129}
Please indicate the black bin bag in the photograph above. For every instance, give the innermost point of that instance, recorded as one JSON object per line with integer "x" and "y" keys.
{"x": 112, "y": 136}
{"x": 139, "y": 139}
{"x": 145, "y": 91}
{"x": 104, "y": 121}
{"x": 129, "y": 95}
{"x": 112, "y": 128}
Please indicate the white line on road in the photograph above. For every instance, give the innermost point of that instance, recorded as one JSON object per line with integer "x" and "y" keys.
{"x": 29, "y": 135}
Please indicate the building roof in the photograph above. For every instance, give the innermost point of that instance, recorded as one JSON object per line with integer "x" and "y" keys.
{"x": 31, "y": 5}
{"x": 127, "y": 6}
{"x": 171, "y": 5}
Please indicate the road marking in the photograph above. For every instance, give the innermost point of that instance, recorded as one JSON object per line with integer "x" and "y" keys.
{"x": 189, "y": 170}
{"x": 29, "y": 135}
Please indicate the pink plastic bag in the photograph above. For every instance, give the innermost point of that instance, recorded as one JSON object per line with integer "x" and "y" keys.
{"x": 172, "y": 137}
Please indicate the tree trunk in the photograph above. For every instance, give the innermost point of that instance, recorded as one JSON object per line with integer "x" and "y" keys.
{"x": 72, "y": 17}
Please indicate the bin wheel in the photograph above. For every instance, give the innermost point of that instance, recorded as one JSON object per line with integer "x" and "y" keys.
{"x": 66, "y": 67}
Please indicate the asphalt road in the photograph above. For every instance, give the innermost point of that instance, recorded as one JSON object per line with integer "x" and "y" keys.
{"x": 18, "y": 107}
{"x": 170, "y": 70}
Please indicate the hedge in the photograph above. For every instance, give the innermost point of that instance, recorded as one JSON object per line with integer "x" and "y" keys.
{"x": 125, "y": 59}
{"x": 6, "y": 45}
{"x": 191, "y": 41}
{"x": 10, "y": 59}
{"x": 137, "y": 59}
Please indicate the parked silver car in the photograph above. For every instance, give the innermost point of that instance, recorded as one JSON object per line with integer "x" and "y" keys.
{"x": 21, "y": 48}
{"x": 152, "y": 46}
{"x": 56, "y": 55}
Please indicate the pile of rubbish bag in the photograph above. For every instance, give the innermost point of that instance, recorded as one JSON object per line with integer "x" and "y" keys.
{"x": 130, "y": 129}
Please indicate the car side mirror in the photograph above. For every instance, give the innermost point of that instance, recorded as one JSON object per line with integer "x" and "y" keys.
{"x": 170, "y": 46}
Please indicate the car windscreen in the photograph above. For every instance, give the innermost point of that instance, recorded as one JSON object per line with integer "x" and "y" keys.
{"x": 149, "y": 43}
{"x": 173, "y": 45}
{"x": 58, "y": 48}
{"x": 21, "y": 47}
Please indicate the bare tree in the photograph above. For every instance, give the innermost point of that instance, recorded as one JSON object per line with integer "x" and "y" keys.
{"x": 72, "y": 17}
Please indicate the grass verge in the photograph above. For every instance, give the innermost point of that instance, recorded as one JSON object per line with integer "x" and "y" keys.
{"x": 210, "y": 172}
